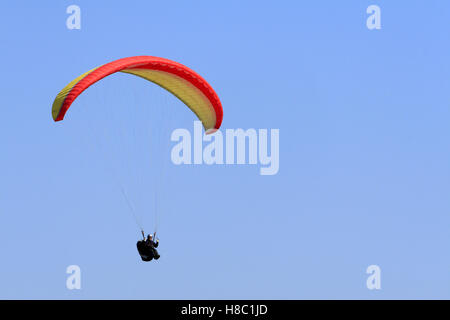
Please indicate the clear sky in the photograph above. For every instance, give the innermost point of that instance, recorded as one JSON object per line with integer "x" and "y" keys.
{"x": 364, "y": 174}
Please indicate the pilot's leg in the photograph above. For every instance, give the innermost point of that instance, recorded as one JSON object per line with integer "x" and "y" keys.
{"x": 155, "y": 254}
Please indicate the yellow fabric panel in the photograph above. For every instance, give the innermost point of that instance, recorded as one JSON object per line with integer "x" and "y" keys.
{"x": 59, "y": 100}
{"x": 183, "y": 90}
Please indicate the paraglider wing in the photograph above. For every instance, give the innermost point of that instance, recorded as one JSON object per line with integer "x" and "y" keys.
{"x": 181, "y": 81}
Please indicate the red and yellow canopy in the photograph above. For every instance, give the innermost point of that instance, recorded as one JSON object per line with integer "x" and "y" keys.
{"x": 181, "y": 81}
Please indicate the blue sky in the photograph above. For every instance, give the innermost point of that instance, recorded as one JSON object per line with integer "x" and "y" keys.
{"x": 364, "y": 152}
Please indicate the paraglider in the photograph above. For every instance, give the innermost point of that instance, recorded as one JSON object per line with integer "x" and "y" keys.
{"x": 147, "y": 248}
{"x": 184, "y": 83}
